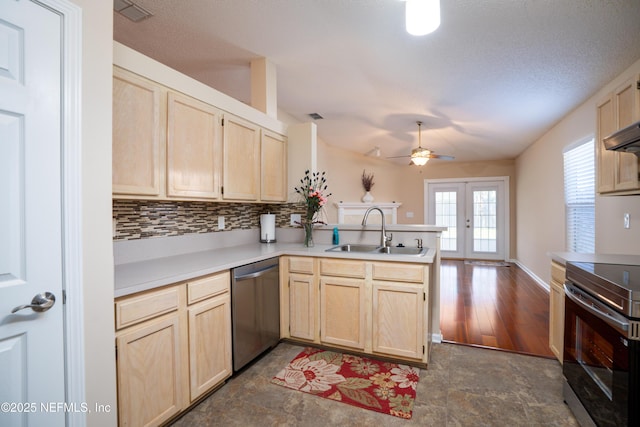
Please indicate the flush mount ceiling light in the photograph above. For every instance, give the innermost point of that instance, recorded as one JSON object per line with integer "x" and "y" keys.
{"x": 422, "y": 16}
{"x": 130, "y": 10}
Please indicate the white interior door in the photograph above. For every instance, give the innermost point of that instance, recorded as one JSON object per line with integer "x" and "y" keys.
{"x": 476, "y": 214}
{"x": 31, "y": 343}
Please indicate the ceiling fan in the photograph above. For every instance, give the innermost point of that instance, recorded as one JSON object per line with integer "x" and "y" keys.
{"x": 420, "y": 156}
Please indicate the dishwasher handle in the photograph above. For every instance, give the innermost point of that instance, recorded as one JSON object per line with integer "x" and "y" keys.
{"x": 255, "y": 273}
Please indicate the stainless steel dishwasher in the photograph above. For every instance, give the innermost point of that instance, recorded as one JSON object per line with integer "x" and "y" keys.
{"x": 255, "y": 310}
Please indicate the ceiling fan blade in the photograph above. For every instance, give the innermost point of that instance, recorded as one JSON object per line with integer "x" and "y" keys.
{"x": 397, "y": 157}
{"x": 441, "y": 157}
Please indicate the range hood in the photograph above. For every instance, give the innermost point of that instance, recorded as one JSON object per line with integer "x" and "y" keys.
{"x": 626, "y": 140}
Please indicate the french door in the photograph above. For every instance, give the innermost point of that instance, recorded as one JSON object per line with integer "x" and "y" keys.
{"x": 476, "y": 214}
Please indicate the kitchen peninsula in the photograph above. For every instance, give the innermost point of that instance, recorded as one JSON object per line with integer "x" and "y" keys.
{"x": 146, "y": 264}
{"x": 172, "y": 296}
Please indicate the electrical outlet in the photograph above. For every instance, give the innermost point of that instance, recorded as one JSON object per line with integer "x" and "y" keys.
{"x": 409, "y": 214}
{"x": 295, "y": 219}
{"x": 626, "y": 221}
{"x": 220, "y": 223}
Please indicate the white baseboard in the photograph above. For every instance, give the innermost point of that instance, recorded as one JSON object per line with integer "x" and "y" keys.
{"x": 544, "y": 285}
{"x": 436, "y": 338}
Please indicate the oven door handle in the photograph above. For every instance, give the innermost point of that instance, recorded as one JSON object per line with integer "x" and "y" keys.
{"x": 593, "y": 307}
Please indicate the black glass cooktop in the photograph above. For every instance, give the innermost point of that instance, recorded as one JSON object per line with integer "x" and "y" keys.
{"x": 617, "y": 285}
{"x": 624, "y": 276}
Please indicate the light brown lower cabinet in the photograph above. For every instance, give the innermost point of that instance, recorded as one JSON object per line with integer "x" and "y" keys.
{"x": 150, "y": 358}
{"x": 400, "y": 309}
{"x": 343, "y": 312}
{"x": 556, "y": 309}
{"x": 302, "y": 306}
{"x": 370, "y": 307}
{"x": 344, "y": 303}
{"x": 209, "y": 344}
{"x": 398, "y": 320}
{"x": 173, "y": 346}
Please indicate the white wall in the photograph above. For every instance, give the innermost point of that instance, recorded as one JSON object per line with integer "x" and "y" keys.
{"x": 97, "y": 250}
{"x": 540, "y": 193}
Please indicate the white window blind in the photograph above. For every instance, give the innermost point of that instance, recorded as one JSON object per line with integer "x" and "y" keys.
{"x": 579, "y": 195}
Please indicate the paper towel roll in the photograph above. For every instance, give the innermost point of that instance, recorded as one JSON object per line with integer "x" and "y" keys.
{"x": 267, "y": 228}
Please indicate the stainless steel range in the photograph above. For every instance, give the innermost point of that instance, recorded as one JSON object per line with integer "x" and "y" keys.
{"x": 601, "y": 362}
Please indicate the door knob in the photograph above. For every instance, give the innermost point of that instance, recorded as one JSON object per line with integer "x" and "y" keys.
{"x": 40, "y": 303}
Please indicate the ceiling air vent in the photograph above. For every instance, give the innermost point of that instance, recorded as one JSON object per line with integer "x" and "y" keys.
{"x": 131, "y": 10}
{"x": 316, "y": 116}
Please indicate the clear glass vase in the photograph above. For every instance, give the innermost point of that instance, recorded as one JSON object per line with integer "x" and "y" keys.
{"x": 308, "y": 233}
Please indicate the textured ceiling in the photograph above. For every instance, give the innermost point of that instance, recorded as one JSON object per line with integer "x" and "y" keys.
{"x": 492, "y": 79}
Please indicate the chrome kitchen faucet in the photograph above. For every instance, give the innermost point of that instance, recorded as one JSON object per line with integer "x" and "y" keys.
{"x": 383, "y": 232}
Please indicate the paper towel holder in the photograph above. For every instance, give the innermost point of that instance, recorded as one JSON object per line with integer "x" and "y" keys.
{"x": 267, "y": 228}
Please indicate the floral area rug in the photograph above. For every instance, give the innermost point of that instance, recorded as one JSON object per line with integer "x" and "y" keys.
{"x": 379, "y": 386}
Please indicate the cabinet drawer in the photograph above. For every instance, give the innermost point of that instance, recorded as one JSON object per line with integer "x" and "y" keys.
{"x": 335, "y": 267}
{"x": 301, "y": 265}
{"x": 131, "y": 311}
{"x": 398, "y": 272}
{"x": 206, "y": 287}
{"x": 558, "y": 272}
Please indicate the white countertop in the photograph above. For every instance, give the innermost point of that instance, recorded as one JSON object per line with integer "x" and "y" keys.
{"x": 148, "y": 274}
{"x": 564, "y": 257}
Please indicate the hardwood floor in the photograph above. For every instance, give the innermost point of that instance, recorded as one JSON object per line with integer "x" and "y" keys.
{"x": 496, "y": 307}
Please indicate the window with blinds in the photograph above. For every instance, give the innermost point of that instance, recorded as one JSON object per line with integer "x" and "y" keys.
{"x": 580, "y": 197}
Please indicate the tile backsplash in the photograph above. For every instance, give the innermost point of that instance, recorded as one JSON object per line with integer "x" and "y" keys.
{"x": 142, "y": 219}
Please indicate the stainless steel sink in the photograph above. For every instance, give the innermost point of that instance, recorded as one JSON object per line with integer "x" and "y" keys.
{"x": 394, "y": 250}
{"x": 353, "y": 248}
{"x": 374, "y": 249}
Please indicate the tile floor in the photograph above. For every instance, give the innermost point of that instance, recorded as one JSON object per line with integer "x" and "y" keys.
{"x": 464, "y": 386}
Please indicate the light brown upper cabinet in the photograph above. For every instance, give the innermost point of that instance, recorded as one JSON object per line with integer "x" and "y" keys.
{"x": 138, "y": 135}
{"x": 273, "y": 167}
{"x": 193, "y": 148}
{"x": 241, "y": 154}
{"x": 606, "y": 159}
{"x": 626, "y": 99}
{"x": 170, "y": 146}
{"x": 618, "y": 171}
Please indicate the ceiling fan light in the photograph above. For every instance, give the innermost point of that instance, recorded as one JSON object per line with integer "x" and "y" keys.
{"x": 422, "y": 16}
{"x": 419, "y": 161}
{"x": 420, "y": 152}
